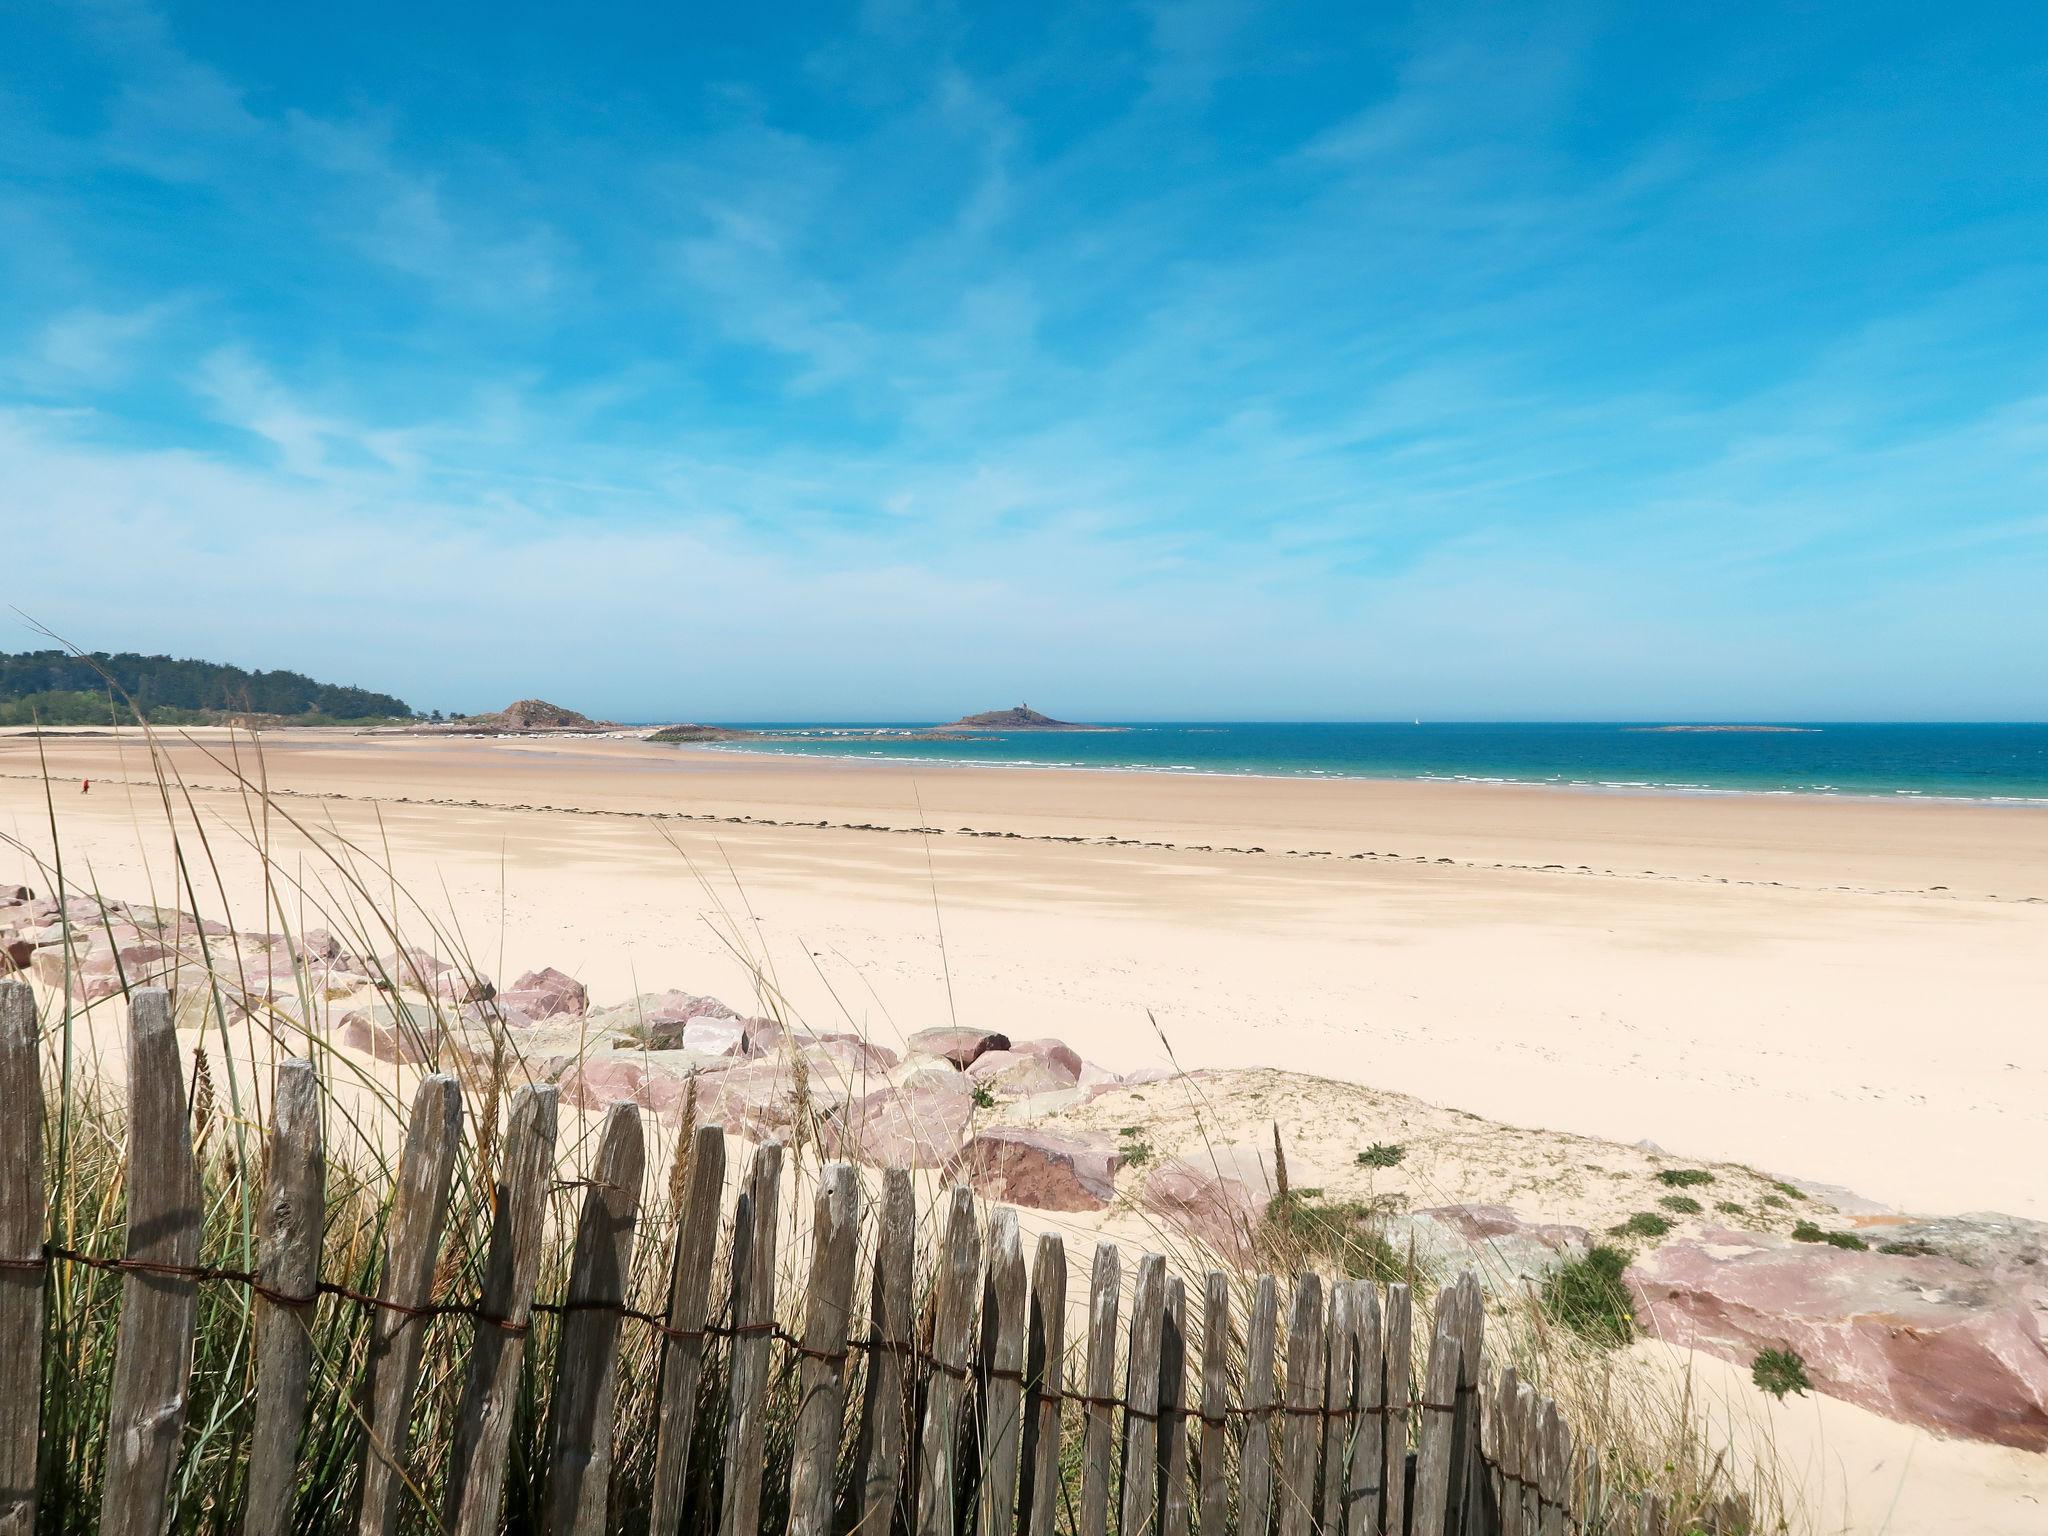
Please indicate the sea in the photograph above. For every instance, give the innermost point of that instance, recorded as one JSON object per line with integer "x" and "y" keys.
{"x": 1999, "y": 763}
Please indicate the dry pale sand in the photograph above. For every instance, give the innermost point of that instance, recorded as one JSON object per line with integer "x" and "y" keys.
{"x": 1825, "y": 989}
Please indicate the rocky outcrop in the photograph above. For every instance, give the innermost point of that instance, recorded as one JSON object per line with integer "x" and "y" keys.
{"x": 1041, "y": 1169}
{"x": 1925, "y": 1340}
{"x": 1013, "y": 1075}
{"x": 920, "y": 1123}
{"x": 1218, "y": 1199}
{"x": 1508, "y": 1253}
{"x": 546, "y": 994}
{"x": 1985, "y": 1240}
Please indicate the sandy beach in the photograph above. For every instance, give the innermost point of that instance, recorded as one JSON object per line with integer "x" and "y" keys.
{"x": 1826, "y": 990}
{"x": 1836, "y": 990}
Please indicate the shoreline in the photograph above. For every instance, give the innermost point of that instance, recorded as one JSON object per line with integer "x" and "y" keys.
{"x": 1320, "y": 775}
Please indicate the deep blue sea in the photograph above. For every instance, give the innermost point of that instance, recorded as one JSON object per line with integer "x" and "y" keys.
{"x": 1974, "y": 762}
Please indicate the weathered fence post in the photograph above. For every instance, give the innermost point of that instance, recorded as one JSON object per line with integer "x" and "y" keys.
{"x": 689, "y": 1306}
{"x": 419, "y": 1207}
{"x": 1507, "y": 1450}
{"x": 290, "y": 1223}
{"x": 1045, "y": 1375}
{"x": 1339, "y": 1403}
{"x": 1300, "y": 1435}
{"x": 23, "y": 1271}
{"x": 885, "y": 1403}
{"x": 1557, "y": 1462}
{"x": 1173, "y": 1411}
{"x": 753, "y": 1345}
{"x": 1103, "y": 1286}
{"x": 1141, "y": 1399}
{"x": 579, "y": 1442}
{"x": 821, "y": 1402}
{"x": 1002, "y": 1416}
{"x": 1255, "y": 1493}
{"x": 1214, "y": 1513}
{"x": 153, "y": 1344}
{"x": 1365, "y": 1479}
{"x": 1400, "y": 1395}
{"x": 1529, "y": 1454}
{"x": 1433, "y": 1468}
{"x": 952, "y": 1349}
{"x": 483, "y": 1425}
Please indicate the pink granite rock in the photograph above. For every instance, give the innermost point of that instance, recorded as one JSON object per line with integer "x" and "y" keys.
{"x": 959, "y": 1046}
{"x": 922, "y": 1123}
{"x": 630, "y": 1078}
{"x": 546, "y": 994}
{"x": 1218, "y": 1199}
{"x": 412, "y": 966}
{"x": 1016, "y": 1076}
{"x": 1061, "y": 1056}
{"x": 1924, "y": 1340}
{"x": 1045, "y": 1170}
{"x": 715, "y": 1036}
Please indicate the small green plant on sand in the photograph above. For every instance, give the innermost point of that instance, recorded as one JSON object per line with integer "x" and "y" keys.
{"x": 1382, "y": 1154}
{"x": 983, "y": 1098}
{"x": 1684, "y": 1178}
{"x": 1728, "y": 1207}
{"x": 1779, "y": 1371}
{"x": 1789, "y": 1191}
{"x": 1133, "y": 1146}
{"x": 1642, "y": 1224}
{"x": 1776, "y": 1202}
{"x": 1808, "y": 1232}
{"x": 1684, "y": 1205}
{"x": 1912, "y": 1249}
{"x": 1589, "y": 1297}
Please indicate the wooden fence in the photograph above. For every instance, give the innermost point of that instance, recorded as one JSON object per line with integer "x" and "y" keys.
{"x": 974, "y": 1410}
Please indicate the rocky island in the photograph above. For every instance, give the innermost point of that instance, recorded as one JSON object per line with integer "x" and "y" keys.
{"x": 1022, "y": 718}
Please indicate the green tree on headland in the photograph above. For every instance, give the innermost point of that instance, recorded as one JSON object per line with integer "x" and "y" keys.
{"x": 58, "y": 688}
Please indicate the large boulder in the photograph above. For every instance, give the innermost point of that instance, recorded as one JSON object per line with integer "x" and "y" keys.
{"x": 659, "y": 1084}
{"x": 959, "y": 1046}
{"x": 1924, "y": 1340}
{"x": 1506, "y": 1252}
{"x": 919, "y": 1123}
{"x": 1045, "y": 1170}
{"x": 407, "y": 1032}
{"x": 1061, "y": 1056}
{"x": 1218, "y": 1198}
{"x": 1018, "y": 1076}
{"x": 1986, "y": 1240}
{"x": 411, "y": 966}
{"x": 657, "y": 1019}
{"x": 546, "y": 994}
{"x": 15, "y": 955}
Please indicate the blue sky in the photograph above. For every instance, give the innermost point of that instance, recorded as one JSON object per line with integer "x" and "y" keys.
{"x": 892, "y": 360}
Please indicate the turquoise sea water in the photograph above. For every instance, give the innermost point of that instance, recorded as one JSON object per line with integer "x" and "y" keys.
{"x": 1974, "y": 762}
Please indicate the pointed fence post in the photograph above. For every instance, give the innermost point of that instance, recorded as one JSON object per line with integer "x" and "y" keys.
{"x": 1255, "y": 1495}
{"x": 1529, "y": 1454}
{"x": 753, "y": 1347}
{"x": 1173, "y": 1412}
{"x": 1214, "y": 1513}
{"x": 290, "y": 1224}
{"x": 1004, "y": 1332}
{"x": 1045, "y": 1375}
{"x": 490, "y": 1394}
{"x": 1104, "y": 1284}
{"x": 952, "y": 1351}
{"x": 1439, "y": 1408}
{"x": 885, "y": 1402}
{"x": 579, "y": 1455}
{"x": 1508, "y": 1450}
{"x": 23, "y": 1271}
{"x": 689, "y": 1308}
{"x": 419, "y": 1210}
{"x": 153, "y": 1343}
{"x": 1340, "y": 1403}
{"x": 1365, "y": 1481}
{"x": 1141, "y": 1400}
{"x": 1300, "y": 1435}
{"x": 1400, "y": 1395}
{"x": 821, "y": 1378}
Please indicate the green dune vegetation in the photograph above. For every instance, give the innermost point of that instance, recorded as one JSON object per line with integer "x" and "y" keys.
{"x": 64, "y": 688}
